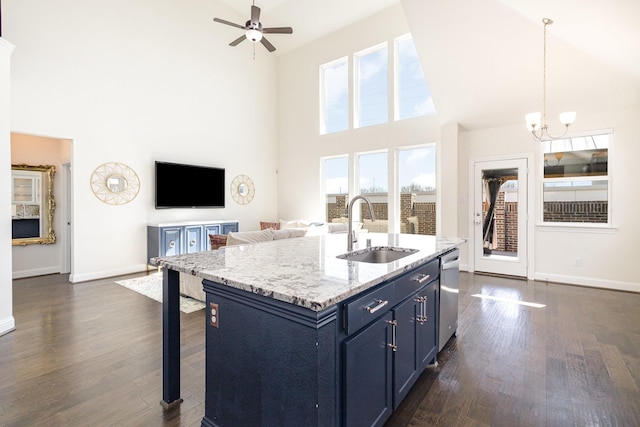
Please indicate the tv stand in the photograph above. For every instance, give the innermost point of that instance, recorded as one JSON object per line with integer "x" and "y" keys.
{"x": 176, "y": 238}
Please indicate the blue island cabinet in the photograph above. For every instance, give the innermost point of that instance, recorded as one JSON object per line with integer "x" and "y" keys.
{"x": 271, "y": 363}
{"x": 268, "y": 363}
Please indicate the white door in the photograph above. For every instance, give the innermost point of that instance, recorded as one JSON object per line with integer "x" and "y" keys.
{"x": 500, "y": 217}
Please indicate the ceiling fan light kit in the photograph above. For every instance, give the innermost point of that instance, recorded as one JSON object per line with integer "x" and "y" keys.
{"x": 537, "y": 122}
{"x": 254, "y": 31}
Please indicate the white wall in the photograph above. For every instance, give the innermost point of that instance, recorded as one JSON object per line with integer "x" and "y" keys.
{"x": 134, "y": 82}
{"x": 300, "y": 144}
{"x": 7, "y": 322}
{"x": 608, "y": 256}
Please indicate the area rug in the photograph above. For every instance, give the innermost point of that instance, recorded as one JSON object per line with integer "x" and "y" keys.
{"x": 151, "y": 286}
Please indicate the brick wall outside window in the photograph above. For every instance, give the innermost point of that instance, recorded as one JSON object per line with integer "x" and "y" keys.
{"x": 415, "y": 217}
{"x": 588, "y": 211}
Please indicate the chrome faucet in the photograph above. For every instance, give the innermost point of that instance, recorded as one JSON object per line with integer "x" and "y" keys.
{"x": 352, "y": 235}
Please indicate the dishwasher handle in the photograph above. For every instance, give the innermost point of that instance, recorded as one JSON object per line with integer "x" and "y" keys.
{"x": 451, "y": 264}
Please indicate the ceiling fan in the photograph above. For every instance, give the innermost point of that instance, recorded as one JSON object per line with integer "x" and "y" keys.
{"x": 254, "y": 30}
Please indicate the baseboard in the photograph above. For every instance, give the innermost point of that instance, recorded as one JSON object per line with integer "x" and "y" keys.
{"x": 590, "y": 282}
{"x": 7, "y": 325}
{"x": 36, "y": 272}
{"x": 77, "y": 278}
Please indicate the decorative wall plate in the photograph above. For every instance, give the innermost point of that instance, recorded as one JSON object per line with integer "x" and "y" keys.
{"x": 242, "y": 189}
{"x": 115, "y": 183}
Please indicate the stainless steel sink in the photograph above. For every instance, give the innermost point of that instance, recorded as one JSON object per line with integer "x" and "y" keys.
{"x": 378, "y": 254}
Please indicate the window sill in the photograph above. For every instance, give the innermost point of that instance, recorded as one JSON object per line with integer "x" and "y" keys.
{"x": 577, "y": 228}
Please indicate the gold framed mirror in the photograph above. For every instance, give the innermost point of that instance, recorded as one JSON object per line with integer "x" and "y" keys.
{"x": 32, "y": 205}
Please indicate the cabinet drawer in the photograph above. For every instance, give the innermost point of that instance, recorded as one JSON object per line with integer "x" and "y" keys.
{"x": 422, "y": 276}
{"x": 369, "y": 307}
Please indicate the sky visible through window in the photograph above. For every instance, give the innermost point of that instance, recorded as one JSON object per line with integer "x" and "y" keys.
{"x": 412, "y": 92}
{"x": 336, "y": 96}
{"x": 373, "y": 104}
{"x": 373, "y": 173}
{"x": 417, "y": 169}
{"x": 336, "y": 175}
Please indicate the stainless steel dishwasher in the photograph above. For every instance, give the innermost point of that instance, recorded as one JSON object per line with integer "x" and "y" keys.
{"x": 449, "y": 288}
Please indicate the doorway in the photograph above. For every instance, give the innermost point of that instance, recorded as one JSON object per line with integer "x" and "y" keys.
{"x": 500, "y": 212}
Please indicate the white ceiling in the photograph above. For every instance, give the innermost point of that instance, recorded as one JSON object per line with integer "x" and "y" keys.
{"x": 310, "y": 19}
{"x": 483, "y": 58}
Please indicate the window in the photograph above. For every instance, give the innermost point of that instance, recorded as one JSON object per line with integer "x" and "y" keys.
{"x": 576, "y": 180}
{"x": 336, "y": 186}
{"x": 373, "y": 182}
{"x": 371, "y": 88}
{"x": 334, "y": 96}
{"x": 417, "y": 180}
{"x": 412, "y": 94}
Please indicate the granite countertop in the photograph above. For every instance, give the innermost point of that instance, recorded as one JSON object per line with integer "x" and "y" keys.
{"x": 305, "y": 271}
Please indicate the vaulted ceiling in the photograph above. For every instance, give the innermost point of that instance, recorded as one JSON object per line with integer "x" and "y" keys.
{"x": 483, "y": 58}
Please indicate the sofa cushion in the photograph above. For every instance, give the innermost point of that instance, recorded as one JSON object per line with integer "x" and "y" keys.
{"x": 288, "y": 224}
{"x": 288, "y": 233}
{"x": 240, "y": 237}
{"x": 339, "y": 227}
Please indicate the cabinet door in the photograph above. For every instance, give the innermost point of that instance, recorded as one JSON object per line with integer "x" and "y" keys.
{"x": 25, "y": 188}
{"x": 170, "y": 241}
{"x": 193, "y": 239}
{"x": 230, "y": 226}
{"x": 427, "y": 334}
{"x": 368, "y": 370}
{"x": 406, "y": 365}
{"x": 415, "y": 339}
{"x": 211, "y": 229}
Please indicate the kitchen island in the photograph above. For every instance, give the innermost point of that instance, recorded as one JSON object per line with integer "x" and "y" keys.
{"x": 297, "y": 336}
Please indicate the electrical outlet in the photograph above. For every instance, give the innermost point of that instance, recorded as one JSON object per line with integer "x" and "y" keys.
{"x": 214, "y": 315}
{"x": 577, "y": 262}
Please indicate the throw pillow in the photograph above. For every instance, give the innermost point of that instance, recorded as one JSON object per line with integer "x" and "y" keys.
{"x": 272, "y": 225}
{"x": 217, "y": 240}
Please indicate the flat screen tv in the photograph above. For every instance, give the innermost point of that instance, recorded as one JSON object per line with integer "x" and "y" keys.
{"x": 189, "y": 186}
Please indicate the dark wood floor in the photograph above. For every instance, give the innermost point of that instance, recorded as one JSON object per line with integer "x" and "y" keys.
{"x": 90, "y": 355}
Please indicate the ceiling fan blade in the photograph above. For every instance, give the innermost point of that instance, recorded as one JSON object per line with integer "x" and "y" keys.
{"x": 222, "y": 21}
{"x": 255, "y": 14}
{"x": 237, "y": 41}
{"x": 278, "y": 30}
{"x": 268, "y": 45}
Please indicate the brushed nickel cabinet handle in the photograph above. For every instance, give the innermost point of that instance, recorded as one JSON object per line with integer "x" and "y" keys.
{"x": 381, "y": 304}
{"x": 394, "y": 344}
{"x": 421, "y": 278}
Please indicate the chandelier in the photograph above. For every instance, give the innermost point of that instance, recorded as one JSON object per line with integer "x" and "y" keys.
{"x": 536, "y": 122}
